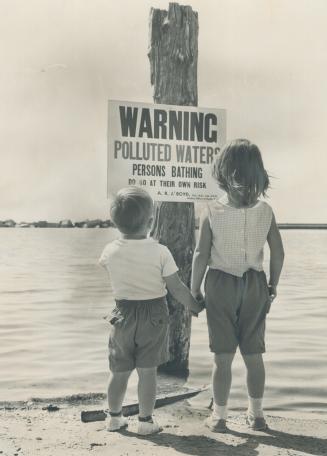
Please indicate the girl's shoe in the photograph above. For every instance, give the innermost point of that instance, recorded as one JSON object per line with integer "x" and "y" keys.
{"x": 115, "y": 423}
{"x": 257, "y": 424}
{"x": 216, "y": 424}
{"x": 148, "y": 427}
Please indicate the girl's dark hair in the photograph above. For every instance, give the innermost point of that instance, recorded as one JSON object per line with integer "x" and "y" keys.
{"x": 131, "y": 209}
{"x": 240, "y": 172}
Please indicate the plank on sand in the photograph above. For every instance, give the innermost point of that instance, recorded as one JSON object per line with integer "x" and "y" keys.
{"x": 88, "y": 416}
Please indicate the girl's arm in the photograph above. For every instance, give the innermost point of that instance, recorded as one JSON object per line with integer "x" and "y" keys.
{"x": 276, "y": 256}
{"x": 201, "y": 255}
{"x": 181, "y": 293}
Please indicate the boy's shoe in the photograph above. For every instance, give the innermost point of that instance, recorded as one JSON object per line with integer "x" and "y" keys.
{"x": 148, "y": 427}
{"x": 115, "y": 423}
{"x": 216, "y": 424}
{"x": 257, "y": 424}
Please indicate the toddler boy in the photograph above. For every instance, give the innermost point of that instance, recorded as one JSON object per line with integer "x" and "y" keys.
{"x": 140, "y": 270}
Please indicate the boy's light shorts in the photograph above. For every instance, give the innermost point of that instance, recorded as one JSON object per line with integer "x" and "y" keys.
{"x": 236, "y": 311}
{"x": 139, "y": 334}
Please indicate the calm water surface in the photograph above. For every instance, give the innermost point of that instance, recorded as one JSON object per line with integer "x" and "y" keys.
{"x": 53, "y": 339}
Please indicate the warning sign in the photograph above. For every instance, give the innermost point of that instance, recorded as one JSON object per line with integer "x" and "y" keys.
{"x": 166, "y": 149}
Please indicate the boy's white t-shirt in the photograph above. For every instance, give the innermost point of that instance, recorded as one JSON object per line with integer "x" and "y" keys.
{"x": 137, "y": 268}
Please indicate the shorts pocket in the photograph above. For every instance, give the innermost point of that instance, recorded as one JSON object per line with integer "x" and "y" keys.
{"x": 116, "y": 318}
{"x": 159, "y": 314}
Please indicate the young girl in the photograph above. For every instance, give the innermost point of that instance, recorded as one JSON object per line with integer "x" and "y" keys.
{"x": 233, "y": 231}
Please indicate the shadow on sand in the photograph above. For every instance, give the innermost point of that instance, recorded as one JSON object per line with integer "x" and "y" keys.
{"x": 198, "y": 445}
{"x": 278, "y": 439}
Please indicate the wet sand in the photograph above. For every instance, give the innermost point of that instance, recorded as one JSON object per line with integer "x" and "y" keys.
{"x": 30, "y": 430}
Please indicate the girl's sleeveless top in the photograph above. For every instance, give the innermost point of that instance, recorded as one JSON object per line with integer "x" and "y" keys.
{"x": 238, "y": 236}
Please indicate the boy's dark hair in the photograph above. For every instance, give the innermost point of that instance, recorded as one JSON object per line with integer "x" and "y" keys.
{"x": 240, "y": 172}
{"x": 131, "y": 209}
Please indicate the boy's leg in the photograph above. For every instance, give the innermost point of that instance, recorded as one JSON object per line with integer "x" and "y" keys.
{"x": 116, "y": 390}
{"x": 147, "y": 388}
{"x": 152, "y": 350}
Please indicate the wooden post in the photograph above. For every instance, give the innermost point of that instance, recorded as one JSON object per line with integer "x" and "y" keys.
{"x": 173, "y": 54}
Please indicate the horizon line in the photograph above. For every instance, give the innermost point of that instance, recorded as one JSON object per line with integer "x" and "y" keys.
{"x": 107, "y": 223}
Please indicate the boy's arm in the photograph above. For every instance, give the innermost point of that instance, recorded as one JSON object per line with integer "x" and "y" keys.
{"x": 181, "y": 293}
{"x": 276, "y": 257}
{"x": 201, "y": 255}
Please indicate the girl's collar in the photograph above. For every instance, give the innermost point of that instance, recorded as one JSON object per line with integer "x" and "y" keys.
{"x": 225, "y": 202}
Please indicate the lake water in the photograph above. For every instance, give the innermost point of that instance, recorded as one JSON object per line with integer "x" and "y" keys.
{"x": 53, "y": 339}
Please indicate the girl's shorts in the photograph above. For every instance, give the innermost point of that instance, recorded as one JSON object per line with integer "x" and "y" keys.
{"x": 236, "y": 311}
{"x": 139, "y": 334}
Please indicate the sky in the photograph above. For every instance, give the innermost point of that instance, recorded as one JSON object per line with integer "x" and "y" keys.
{"x": 264, "y": 61}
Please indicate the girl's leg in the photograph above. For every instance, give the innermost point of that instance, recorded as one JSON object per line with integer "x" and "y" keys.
{"x": 255, "y": 383}
{"x": 116, "y": 390}
{"x": 221, "y": 382}
{"x": 255, "y": 374}
{"x": 147, "y": 388}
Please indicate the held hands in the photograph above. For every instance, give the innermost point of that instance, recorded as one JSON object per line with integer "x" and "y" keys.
{"x": 199, "y": 303}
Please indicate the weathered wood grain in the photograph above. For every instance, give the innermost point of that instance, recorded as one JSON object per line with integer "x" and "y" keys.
{"x": 88, "y": 416}
{"x": 173, "y": 55}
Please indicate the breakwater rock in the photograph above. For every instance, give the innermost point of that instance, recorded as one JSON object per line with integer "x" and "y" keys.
{"x": 66, "y": 223}
{"x": 97, "y": 223}
{"x": 45, "y": 224}
{"x": 7, "y": 223}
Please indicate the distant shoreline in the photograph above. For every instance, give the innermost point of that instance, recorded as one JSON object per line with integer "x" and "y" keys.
{"x": 97, "y": 223}
{"x": 67, "y": 223}
{"x": 302, "y": 226}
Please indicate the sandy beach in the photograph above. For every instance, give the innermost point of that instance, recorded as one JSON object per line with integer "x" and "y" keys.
{"x": 31, "y": 430}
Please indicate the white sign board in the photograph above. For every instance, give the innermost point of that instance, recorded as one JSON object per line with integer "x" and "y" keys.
{"x": 166, "y": 149}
